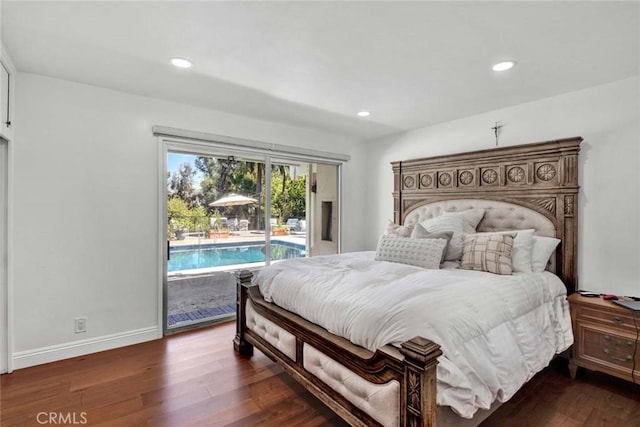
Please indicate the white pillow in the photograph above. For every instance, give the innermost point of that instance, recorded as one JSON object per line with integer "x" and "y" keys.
{"x": 470, "y": 218}
{"x": 424, "y": 253}
{"x": 444, "y": 223}
{"x": 543, "y": 248}
{"x": 522, "y": 251}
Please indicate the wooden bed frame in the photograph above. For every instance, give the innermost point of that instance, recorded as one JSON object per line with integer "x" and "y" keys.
{"x": 542, "y": 177}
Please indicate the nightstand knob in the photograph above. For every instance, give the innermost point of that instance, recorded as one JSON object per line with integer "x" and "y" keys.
{"x": 607, "y": 337}
{"x": 617, "y": 320}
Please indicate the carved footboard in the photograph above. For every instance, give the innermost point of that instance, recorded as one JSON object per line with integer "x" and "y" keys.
{"x": 360, "y": 386}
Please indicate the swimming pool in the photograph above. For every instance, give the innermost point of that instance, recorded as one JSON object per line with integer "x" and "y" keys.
{"x": 205, "y": 256}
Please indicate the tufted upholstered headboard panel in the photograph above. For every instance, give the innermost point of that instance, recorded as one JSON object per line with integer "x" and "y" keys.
{"x": 520, "y": 187}
{"x": 498, "y": 216}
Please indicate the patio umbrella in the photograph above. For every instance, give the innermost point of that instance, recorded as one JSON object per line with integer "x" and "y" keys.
{"x": 233, "y": 200}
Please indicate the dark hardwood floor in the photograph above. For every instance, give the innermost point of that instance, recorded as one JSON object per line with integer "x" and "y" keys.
{"x": 195, "y": 379}
{"x": 552, "y": 398}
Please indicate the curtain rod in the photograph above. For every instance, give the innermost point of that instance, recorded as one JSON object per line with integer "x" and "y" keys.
{"x": 247, "y": 143}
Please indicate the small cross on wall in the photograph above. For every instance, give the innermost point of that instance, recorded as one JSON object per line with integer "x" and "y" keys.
{"x": 496, "y": 131}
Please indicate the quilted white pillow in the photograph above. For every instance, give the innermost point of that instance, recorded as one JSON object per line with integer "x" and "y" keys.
{"x": 522, "y": 251}
{"x": 425, "y": 253}
{"x": 452, "y": 223}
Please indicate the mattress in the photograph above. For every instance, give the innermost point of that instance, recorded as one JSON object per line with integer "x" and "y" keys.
{"x": 495, "y": 332}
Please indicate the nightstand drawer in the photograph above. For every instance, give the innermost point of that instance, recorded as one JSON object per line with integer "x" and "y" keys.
{"x": 623, "y": 321}
{"x": 607, "y": 347}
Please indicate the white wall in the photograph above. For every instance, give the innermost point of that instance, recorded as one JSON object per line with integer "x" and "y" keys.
{"x": 85, "y": 210}
{"x": 4, "y": 238}
{"x": 607, "y": 117}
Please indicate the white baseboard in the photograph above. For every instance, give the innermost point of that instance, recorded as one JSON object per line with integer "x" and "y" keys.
{"x": 38, "y": 356}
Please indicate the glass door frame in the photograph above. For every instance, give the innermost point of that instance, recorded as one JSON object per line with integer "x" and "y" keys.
{"x": 218, "y": 149}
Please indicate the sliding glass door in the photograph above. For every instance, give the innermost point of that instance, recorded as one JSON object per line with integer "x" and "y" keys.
{"x": 228, "y": 210}
{"x": 214, "y": 227}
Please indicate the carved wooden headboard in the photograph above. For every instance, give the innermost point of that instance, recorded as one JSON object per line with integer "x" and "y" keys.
{"x": 542, "y": 177}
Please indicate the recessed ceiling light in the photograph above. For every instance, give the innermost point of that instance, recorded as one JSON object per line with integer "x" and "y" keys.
{"x": 503, "y": 66}
{"x": 364, "y": 113}
{"x": 181, "y": 62}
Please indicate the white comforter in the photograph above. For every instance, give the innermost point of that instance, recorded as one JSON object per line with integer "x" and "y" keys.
{"x": 495, "y": 331}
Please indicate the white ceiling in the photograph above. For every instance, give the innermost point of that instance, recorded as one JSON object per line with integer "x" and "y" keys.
{"x": 316, "y": 64}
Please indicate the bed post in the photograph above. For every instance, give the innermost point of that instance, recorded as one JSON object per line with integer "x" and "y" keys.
{"x": 419, "y": 388}
{"x": 240, "y": 345}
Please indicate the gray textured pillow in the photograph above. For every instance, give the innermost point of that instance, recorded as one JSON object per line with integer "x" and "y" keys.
{"x": 425, "y": 253}
{"x": 419, "y": 232}
{"x": 452, "y": 224}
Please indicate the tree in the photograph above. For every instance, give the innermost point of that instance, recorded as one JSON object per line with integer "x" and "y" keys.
{"x": 243, "y": 180}
{"x": 226, "y": 169}
{"x": 284, "y": 173}
{"x": 180, "y": 184}
{"x": 199, "y": 219}
{"x": 294, "y": 200}
{"x": 219, "y": 171}
{"x": 182, "y": 217}
{"x": 209, "y": 184}
{"x": 223, "y": 176}
{"x": 178, "y": 214}
{"x": 257, "y": 171}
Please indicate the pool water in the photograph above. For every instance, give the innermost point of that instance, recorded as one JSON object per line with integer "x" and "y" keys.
{"x": 217, "y": 256}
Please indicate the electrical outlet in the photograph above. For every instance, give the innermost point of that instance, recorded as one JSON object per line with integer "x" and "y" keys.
{"x": 81, "y": 324}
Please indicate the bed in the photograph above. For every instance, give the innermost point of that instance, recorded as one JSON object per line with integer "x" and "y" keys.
{"x": 391, "y": 379}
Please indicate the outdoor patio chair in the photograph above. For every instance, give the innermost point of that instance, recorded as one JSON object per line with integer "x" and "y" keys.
{"x": 293, "y": 224}
{"x": 243, "y": 225}
{"x": 221, "y": 223}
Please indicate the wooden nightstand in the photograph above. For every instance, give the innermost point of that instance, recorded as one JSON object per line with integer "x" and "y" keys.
{"x": 605, "y": 337}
